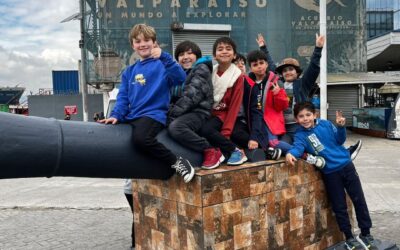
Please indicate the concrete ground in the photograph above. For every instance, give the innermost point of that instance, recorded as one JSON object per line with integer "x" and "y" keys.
{"x": 84, "y": 213}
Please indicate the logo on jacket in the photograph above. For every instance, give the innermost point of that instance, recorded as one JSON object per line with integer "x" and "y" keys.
{"x": 315, "y": 143}
{"x": 220, "y": 106}
{"x": 139, "y": 78}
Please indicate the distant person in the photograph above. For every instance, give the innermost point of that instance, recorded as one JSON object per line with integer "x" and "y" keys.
{"x": 67, "y": 117}
{"x": 129, "y": 198}
{"x": 323, "y": 138}
{"x": 96, "y": 117}
{"x": 143, "y": 99}
{"x": 193, "y": 107}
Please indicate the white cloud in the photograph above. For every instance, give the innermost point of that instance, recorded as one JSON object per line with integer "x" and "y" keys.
{"x": 33, "y": 42}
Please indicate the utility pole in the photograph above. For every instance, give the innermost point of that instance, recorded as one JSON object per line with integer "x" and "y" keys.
{"x": 83, "y": 61}
{"x": 323, "y": 63}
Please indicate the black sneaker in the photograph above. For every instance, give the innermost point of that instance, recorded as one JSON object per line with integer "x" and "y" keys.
{"x": 367, "y": 242}
{"x": 184, "y": 169}
{"x": 355, "y": 149}
{"x": 352, "y": 244}
{"x": 273, "y": 153}
{"x": 317, "y": 161}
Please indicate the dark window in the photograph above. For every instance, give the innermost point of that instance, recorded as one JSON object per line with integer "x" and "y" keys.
{"x": 372, "y": 98}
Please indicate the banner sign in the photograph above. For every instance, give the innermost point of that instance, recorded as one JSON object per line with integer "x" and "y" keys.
{"x": 70, "y": 110}
{"x": 288, "y": 26}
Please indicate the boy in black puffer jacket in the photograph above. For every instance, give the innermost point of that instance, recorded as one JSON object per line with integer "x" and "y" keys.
{"x": 188, "y": 114}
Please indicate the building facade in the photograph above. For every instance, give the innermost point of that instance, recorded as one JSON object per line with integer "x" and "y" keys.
{"x": 383, "y": 16}
{"x": 289, "y": 28}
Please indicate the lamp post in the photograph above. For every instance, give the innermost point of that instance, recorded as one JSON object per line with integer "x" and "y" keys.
{"x": 82, "y": 64}
{"x": 323, "y": 62}
{"x": 80, "y": 16}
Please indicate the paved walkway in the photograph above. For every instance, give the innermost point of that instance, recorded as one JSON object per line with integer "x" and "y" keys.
{"x": 84, "y": 213}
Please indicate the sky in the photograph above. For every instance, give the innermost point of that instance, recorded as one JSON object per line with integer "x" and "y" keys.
{"x": 33, "y": 42}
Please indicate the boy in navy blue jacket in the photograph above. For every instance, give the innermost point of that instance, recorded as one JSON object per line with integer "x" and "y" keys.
{"x": 321, "y": 137}
{"x": 143, "y": 98}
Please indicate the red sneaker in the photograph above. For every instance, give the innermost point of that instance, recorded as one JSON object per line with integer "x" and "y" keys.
{"x": 212, "y": 158}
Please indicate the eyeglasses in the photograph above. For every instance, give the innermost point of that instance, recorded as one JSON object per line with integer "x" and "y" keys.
{"x": 288, "y": 68}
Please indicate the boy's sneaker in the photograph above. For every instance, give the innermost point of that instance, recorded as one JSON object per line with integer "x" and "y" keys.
{"x": 273, "y": 153}
{"x": 367, "y": 242}
{"x": 212, "y": 158}
{"x": 184, "y": 169}
{"x": 317, "y": 161}
{"x": 352, "y": 244}
{"x": 355, "y": 149}
{"x": 237, "y": 157}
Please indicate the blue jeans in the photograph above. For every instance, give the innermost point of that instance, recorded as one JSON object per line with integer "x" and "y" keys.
{"x": 267, "y": 139}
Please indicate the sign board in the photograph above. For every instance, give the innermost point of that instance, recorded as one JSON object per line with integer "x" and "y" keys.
{"x": 70, "y": 110}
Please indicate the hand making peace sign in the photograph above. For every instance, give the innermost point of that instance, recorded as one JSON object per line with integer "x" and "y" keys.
{"x": 340, "y": 119}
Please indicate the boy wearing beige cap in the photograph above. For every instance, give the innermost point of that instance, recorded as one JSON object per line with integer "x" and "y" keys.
{"x": 298, "y": 89}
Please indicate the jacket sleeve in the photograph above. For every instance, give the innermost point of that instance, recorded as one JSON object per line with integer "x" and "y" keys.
{"x": 197, "y": 86}
{"x": 121, "y": 107}
{"x": 339, "y": 133}
{"x": 175, "y": 73}
{"x": 234, "y": 107}
{"x": 255, "y": 114}
{"x": 270, "y": 61}
{"x": 299, "y": 146}
{"x": 312, "y": 72}
{"x": 280, "y": 100}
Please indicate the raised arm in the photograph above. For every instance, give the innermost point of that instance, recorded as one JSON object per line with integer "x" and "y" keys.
{"x": 175, "y": 72}
{"x": 312, "y": 71}
{"x": 263, "y": 47}
{"x": 340, "y": 130}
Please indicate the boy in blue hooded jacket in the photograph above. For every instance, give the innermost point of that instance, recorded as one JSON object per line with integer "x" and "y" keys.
{"x": 143, "y": 99}
{"x": 322, "y": 138}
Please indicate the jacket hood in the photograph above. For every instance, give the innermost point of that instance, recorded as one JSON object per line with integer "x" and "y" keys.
{"x": 205, "y": 60}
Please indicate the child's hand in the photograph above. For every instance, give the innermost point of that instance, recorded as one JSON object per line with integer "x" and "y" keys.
{"x": 290, "y": 159}
{"x": 260, "y": 40}
{"x": 111, "y": 120}
{"x": 156, "y": 51}
{"x": 252, "y": 144}
{"x": 275, "y": 88}
{"x": 340, "y": 119}
{"x": 319, "y": 40}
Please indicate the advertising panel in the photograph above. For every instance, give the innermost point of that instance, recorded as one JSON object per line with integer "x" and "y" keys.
{"x": 289, "y": 28}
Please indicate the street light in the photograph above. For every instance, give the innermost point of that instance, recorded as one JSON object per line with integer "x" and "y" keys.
{"x": 79, "y": 16}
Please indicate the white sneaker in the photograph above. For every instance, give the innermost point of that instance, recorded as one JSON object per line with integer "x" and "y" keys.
{"x": 317, "y": 161}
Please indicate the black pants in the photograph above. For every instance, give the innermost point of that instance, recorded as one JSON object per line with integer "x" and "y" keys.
{"x": 144, "y": 139}
{"x": 129, "y": 198}
{"x": 240, "y": 134}
{"x": 211, "y": 131}
{"x": 336, "y": 184}
{"x": 290, "y": 131}
{"x": 184, "y": 130}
